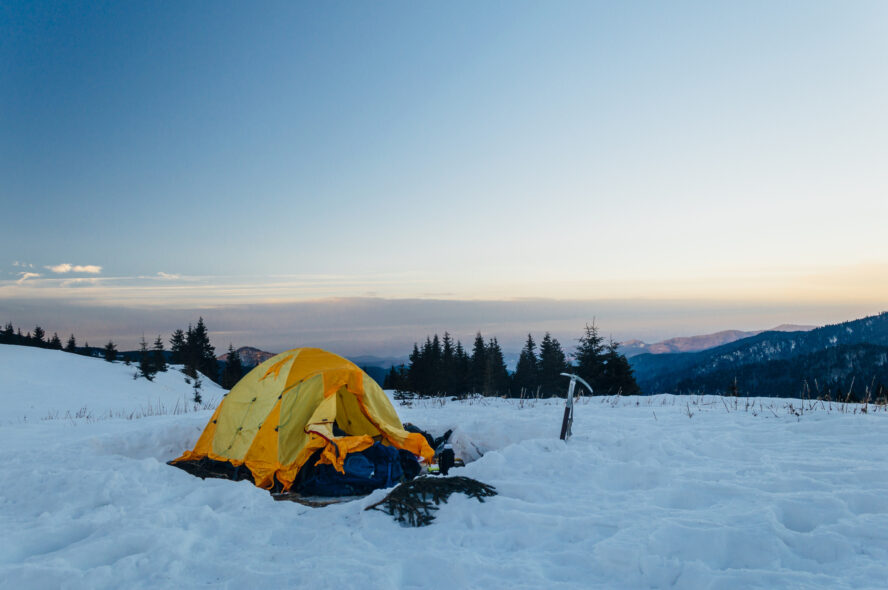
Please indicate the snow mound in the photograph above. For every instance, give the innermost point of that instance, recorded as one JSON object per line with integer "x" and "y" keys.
{"x": 39, "y": 384}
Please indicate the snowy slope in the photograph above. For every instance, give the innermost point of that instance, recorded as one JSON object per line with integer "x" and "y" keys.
{"x": 661, "y": 492}
{"x": 37, "y": 384}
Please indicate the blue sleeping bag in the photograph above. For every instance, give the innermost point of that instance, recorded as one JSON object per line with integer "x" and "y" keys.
{"x": 378, "y": 466}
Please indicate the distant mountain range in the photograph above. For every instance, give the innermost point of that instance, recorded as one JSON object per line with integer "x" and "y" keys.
{"x": 249, "y": 356}
{"x": 632, "y": 348}
{"x": 831, "y": 360}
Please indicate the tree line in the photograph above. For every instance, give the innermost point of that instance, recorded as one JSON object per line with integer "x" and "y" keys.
{"x": 190, "y": 348}
{"x": 441, "y": 367}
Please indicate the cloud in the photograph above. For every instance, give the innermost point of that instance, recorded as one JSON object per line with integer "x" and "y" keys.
{"x": 60, "y": 268}
{"x": 22, "y": 264}
{"x": 80, "y": 281}
{"x": 66, "y": 267}
{"x": 168, "y": 276}
{"x": 27, "y": 275}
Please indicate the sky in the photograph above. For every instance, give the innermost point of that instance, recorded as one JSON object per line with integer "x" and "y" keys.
{"x": 359, "y": 175}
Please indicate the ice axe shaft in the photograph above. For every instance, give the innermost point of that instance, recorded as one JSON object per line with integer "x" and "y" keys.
{"x": 567, "y": 421}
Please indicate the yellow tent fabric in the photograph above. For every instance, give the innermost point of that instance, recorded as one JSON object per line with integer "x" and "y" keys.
{"x": 284, "y": 410}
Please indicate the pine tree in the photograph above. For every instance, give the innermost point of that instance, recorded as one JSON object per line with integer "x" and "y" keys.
{"x": 552, "y": 363}
{"x": 207, "y": 353}
{"x": 436, "y": 368}
{"x": 7, "y": 336}
{"x": 146, "y": 367}
{"x": 158, "y": 358}
{"x": 399, "y": 379}
{"x": 496, "y": 376}
{"x": 461, "y": 369}
{"x": 527, "y": 371}
{"x": 199, "y": 353}
{"x": 110, "y": 352}
{"x": 591, "y": 359}
{"x": 234, "y": 369}
{"x": 478, "y": 365}
{"x": 617, "y": 377}
{"x": 391, "y": 379}
{"x": 448, "y": 366}
{"x": 71, "y": 346}
{"x": 37, "y": 338}
{"x": 189, "y": 356}
{"x": 177, "y": 347}
{"x": 55, "y": 343}
{"x": 415, "y": 372}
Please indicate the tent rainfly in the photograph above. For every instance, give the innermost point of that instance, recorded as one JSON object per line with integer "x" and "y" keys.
{"x": 295, "y": 404}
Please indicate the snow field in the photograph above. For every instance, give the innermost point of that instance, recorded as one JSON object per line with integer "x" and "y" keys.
{"x": 37, "y": 384}
{"x": 717, "y": 500}
{"x": 642, "y": 496}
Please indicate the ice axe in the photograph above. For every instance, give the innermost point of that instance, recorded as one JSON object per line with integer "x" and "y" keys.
{"x": 569, "y": 405}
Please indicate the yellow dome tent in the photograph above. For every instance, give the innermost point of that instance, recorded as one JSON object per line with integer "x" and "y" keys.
{"x": 284, "y": 411}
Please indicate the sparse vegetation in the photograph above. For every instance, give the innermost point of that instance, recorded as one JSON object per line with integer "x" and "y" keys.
{"x": 691, "y": 405}
{"x": 158, "y": 409}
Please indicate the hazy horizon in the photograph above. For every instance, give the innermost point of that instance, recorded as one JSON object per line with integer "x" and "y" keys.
{"x": 386, "y": 328}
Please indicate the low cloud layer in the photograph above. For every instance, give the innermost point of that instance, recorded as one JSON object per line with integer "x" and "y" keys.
{"x": 280, "y": 312}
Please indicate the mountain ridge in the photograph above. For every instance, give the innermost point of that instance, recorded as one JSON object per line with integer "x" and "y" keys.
{"x": 718, "y": 368}
{"x": 632, "y": 348}
{"x": 250, "y": 356}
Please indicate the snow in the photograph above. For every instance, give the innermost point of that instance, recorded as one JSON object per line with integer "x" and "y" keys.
{"x": 654, "y": 492}
{"x": 37, "y": 384}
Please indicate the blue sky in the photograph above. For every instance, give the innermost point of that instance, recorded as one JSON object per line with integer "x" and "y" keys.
{"x": 210, "y": 157}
